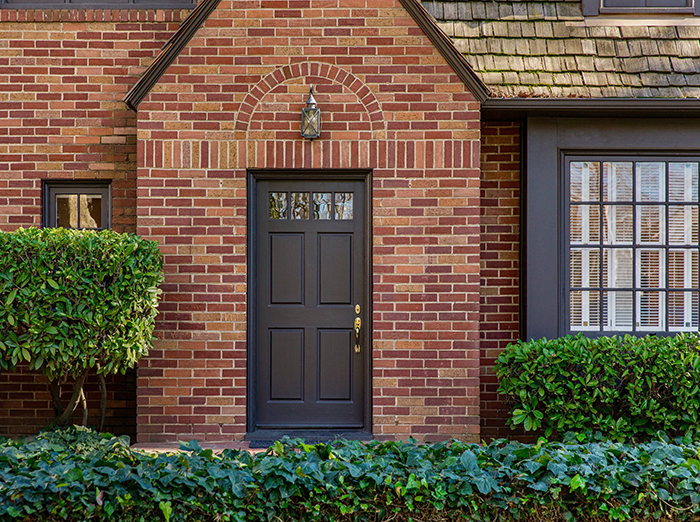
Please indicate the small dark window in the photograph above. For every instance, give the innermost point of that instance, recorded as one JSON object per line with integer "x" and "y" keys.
{"x": 641, "y": 4}
{"x": 597, "y": 7}
{"x": 77, "y": 205}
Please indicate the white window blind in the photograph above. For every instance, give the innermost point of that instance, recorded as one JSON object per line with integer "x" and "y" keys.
{"x": 633, "y": 245}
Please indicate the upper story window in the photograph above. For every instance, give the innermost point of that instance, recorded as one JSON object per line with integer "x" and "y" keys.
{"x": 77, "y": 205}
{"x": 633, "y": 244}
{"x": 617, "y": 7}
{"x": 97, "y": 4}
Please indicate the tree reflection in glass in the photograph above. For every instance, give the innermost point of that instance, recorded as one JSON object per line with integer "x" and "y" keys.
{"x": 67, "y": 211}
{"x": 300, "y": 205}
{"x": 90, "y": 211}
{"x": 343, "y": 205}
{"x": 278, "y": 205}
{"x": 322, "y": 205}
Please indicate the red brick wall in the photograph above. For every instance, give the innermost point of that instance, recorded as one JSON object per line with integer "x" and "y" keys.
{"x": 26, "y": 406}
{"x": 390, "y": 103}
{"x": 63, "y": 74}
{"x": 500, "y": 264}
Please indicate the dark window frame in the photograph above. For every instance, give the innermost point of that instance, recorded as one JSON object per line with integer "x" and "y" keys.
{"x": 664, "y": 246}
{"x": 549, "y": 141}
{"x": 50, "y": 189}
{"x": 598, "y": 7}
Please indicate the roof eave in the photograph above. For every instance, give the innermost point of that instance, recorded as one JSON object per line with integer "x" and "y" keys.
{"x": 520, "y": 108}
{"x": 447, "y": 49}
{"x": 169, "y": 53}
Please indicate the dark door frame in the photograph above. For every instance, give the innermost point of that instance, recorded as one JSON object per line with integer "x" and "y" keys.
{"x": 253, "y": 176}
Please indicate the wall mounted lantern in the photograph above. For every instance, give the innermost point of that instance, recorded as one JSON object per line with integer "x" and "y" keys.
{"x": 311, "y": 118}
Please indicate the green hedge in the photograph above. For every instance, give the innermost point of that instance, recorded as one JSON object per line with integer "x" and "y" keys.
{"x": 624, "y": 387}
{"x": 80, "y": 476}
{"x": 76, "y": 299}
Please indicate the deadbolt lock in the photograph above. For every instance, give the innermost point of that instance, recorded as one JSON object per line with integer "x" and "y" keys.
{"x": 357, "y": 309}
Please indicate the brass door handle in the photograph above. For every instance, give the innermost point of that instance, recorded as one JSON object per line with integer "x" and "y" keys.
{"x": 358, "y": 326}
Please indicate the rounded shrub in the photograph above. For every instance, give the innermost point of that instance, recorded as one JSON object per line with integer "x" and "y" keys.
{"x": 74, "y": 300}
{"x": 624, "y": 387}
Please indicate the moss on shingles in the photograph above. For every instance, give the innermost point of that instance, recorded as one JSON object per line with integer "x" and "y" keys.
{"x": 525, "y": 48}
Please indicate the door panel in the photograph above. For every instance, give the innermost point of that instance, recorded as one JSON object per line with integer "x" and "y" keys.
{"x": 286, "y": 253}
{"x": 286, "y": 364}
{"x": 335, "y": 364}
{"x": 335, "y": 268}
{"x": 309, "y": 256}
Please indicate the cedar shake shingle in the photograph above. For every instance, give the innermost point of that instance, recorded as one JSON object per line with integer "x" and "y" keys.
{"x": 578, "y": 60}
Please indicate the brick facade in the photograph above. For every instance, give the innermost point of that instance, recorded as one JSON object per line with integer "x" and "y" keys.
{"x": 231, "y": 101}
{"x": 500, "y": 264}
{"x": 445, "y": 186}
{"x": 63, "y": 74}
{"x": 445, "y": 197}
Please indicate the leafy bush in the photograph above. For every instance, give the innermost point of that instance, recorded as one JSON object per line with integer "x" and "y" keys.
{"x": 625, "y": 387}
{"x": 79, "y": 439}
{"x": 47, "y": 480}
{"x": 72, "y": 300}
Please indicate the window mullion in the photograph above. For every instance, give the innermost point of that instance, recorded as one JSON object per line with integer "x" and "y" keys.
{"x": 636, "y": 229}
{"x": 687, "y": 283}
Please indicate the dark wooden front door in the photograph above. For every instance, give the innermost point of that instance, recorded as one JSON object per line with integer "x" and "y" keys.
{"x": 310, "y": 288}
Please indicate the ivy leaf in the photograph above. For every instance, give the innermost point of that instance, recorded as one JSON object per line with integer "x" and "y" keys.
{"x": 166, "y": 508}
{"x": 484, "y": 484}
{"x": 468, "y": 460}
{"x": 577, "y": 482}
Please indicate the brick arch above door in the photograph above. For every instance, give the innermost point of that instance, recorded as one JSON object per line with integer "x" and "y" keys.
{"x": 311, "y": 71}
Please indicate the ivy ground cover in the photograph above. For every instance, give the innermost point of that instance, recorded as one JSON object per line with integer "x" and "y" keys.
{"x": 79, "y": 475}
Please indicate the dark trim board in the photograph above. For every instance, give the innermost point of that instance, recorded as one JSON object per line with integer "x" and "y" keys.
{"x": 170, "y": 52}
{"x": 311, "y": 436}
{"x": 519, "y": 108}
{"x": 522, "y": 258}
{"x": 639, "y": 7}
{"x": 253, "y": 176}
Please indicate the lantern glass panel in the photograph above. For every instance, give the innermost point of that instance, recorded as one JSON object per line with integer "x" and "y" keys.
{"x": 310, "y": 123}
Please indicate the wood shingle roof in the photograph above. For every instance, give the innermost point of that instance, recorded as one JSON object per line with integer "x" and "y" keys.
{"x": 548, "y": 49}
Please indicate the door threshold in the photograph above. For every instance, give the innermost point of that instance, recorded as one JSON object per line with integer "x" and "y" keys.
{"x": 265, "y": 438}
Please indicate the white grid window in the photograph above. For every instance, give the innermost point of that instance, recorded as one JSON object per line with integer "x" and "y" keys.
{"x": 633, "y": 245}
